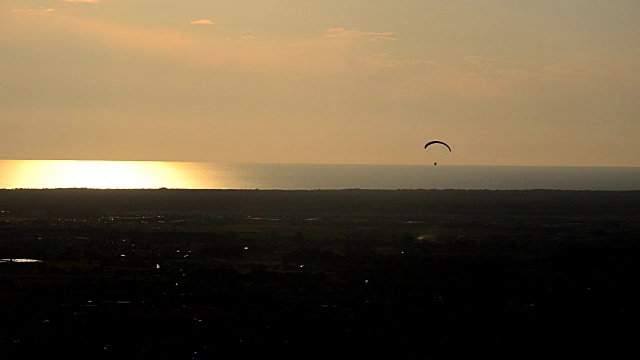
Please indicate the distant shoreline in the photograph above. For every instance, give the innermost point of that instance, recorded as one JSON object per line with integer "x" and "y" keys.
{"x": 348, "y": 201}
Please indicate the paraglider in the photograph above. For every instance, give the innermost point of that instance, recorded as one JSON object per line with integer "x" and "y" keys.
{"x": 437, "y": 142}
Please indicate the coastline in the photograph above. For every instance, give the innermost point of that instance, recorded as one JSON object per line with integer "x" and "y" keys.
{"x": 463, "y": 202}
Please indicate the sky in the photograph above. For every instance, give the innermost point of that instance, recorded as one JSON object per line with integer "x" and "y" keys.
{"x": 503, "y": 82}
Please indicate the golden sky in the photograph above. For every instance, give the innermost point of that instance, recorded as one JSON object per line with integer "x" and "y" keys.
{"x": 503, "y": 82}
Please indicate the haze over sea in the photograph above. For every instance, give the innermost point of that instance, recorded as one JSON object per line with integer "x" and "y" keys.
{"x": 46, "y": 174}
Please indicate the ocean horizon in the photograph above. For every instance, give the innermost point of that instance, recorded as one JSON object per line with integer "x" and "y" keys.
{"x": 54, "y": 174}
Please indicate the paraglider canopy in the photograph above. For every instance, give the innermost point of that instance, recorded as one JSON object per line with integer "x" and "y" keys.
{"x": 437, "y": 142}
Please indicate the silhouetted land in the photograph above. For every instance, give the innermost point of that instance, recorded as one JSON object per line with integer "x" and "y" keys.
{"x": 404, "y": 274}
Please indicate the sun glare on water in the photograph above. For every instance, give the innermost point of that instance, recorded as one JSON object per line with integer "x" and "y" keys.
{"x": 49, "y": 174}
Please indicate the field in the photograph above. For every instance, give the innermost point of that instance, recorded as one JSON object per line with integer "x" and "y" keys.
{"x": 201, "y": 274}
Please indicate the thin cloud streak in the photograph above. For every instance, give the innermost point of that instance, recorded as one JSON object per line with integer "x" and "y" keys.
{"x": 201, "y": 22}
{"x": 32, "y": 10}
{"x": 342, "y": 33}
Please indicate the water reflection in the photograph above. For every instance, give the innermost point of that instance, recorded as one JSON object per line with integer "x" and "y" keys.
{"x": 49, "y": 174}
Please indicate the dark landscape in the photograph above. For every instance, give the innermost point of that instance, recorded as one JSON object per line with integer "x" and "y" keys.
{"x": 319, "y": 274}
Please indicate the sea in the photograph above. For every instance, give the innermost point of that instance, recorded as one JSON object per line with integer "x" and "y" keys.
{"x": 55, "y": 174}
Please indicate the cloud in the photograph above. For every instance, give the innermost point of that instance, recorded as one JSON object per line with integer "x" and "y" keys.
{"x": 342, "y": 33}
{"x": 310, "y": 56}
{"x": 493, "y": 78}
{"x": 202, "y": 22}
{"x": 352, "y": 53}
{"x": 386, "y": 61}
{"x": 483, "y": 78}
{"x": 33, "y": 10}
{"x": 336, "y": 51}
{"x": 511, "y": 72}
